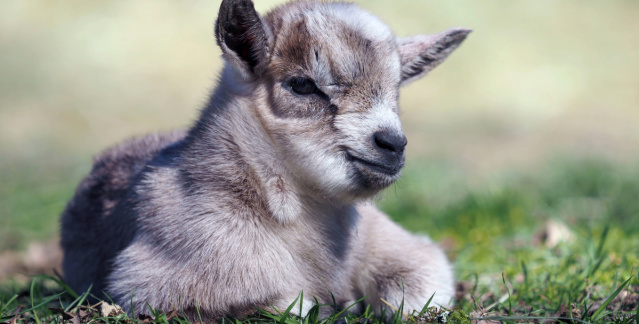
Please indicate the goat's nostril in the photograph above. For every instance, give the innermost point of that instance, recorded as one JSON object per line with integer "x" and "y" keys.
{"x": 390, "y": 141}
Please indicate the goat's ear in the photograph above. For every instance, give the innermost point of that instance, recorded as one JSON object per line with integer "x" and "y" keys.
{"x": 240, "y": 33}
{"x": 420, "y": 54}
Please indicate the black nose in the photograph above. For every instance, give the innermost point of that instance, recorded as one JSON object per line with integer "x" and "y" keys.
{"x": 390, "y": 142}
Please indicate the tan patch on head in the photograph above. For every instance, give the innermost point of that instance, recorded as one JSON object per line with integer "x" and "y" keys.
{"x": 295, "y": 46}
{"x": 354, "y": 61}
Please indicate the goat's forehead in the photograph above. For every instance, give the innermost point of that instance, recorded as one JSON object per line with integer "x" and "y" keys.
{"x": 339, "y": 36}
{"x": 344, "y": 16}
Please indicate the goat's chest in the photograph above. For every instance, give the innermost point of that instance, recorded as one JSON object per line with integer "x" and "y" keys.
{"x": 282, "y": 259}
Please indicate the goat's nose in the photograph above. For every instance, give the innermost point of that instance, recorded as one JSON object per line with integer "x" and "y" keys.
{"x": 392, "y": 142}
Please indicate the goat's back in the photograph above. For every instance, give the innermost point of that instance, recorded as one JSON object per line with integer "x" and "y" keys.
{"x": 91, "y": 231}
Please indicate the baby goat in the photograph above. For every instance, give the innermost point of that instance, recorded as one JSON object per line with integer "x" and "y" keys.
{"x": 267, "y": 194}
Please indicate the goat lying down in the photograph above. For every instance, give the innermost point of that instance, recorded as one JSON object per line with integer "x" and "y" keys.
{"x": 267, "y": 194}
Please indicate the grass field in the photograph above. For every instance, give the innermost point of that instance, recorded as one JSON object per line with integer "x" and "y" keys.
{"x": 510, "y": 262}
{"x": 522, "y": 146}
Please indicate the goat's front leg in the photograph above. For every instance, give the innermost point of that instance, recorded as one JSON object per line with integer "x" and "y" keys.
{"x": 395, "y": 266}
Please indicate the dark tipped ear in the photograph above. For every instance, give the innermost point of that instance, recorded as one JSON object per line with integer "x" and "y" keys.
{"x": 241, "y": 35}
{"x": 420, "y": 54}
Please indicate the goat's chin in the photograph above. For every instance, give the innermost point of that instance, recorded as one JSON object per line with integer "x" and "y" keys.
{"x": 368, "y": 183}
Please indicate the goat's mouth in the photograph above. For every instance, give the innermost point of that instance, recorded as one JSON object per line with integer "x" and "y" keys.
{"x": 374, "y": 174}
{"x": 377, "y": 167}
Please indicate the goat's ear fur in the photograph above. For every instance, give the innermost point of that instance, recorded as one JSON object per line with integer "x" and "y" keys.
{"x": 240, "y": 33}
{"x": 420, "y": 54}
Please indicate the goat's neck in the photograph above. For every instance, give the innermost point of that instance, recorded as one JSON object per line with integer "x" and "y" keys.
{"x": 231, "y": 126}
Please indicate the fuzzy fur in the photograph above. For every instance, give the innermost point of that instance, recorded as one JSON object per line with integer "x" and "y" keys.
{"x": 267, "y": 195}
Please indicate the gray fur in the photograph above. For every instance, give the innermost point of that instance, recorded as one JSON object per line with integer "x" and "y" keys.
{"x": 267, "y": 194}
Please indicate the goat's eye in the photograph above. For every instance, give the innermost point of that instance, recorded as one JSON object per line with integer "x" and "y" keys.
{"x": 303, "y": 86}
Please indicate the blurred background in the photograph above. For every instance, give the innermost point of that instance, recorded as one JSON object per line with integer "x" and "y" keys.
{"x": 534, "y": 118}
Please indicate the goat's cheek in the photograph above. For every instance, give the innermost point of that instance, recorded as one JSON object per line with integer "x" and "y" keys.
{"x": 320, "y": 160}
{"x": 353, "y": 129}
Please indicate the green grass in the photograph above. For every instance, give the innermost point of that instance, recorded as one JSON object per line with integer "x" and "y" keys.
{"x": 536, "y": 77}
{"x": 494, "y": 234}
{"x": 492, "y": 230}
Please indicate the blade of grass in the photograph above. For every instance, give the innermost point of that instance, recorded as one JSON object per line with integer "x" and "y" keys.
{"x": 334, "y": 303}
{"x": 79, "y": 300}
{"x": 180, "y": 305}
{"x": 597, "y": 265}
{"x": 525, "y": 270}
{"x": 277, "y": 318}
{"x": 602, "y": 241}
{"x": 48, "y": 300}
{"x": 60, "y": 283}
{"x": 399, "y": 313}
{"x": 268, "y": 314}
{"x": 347, "y": 308}
{"x": 313, "y": 314}
{"x": 598, "y": 313}
{"x": 425, "y": 308}
{"x": 288, "y": 311}
{"x": 499, "y": 301}
{"x": 153, "y": 313}
{"x": 510, "y": 304}
{"x": 301, "y": 301}
{"x": 278, "y": 311}
{"x": 4, "y": 305}
{"x": 475, "y": 283}
{"x": 585, "y": 311}
{"x": 133, "y": 308}
{"x": 197, "y": 309}
{"x": 31, "y": 297}
{"x": 367, "y": 311}
{"x": 84, "y": 296}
